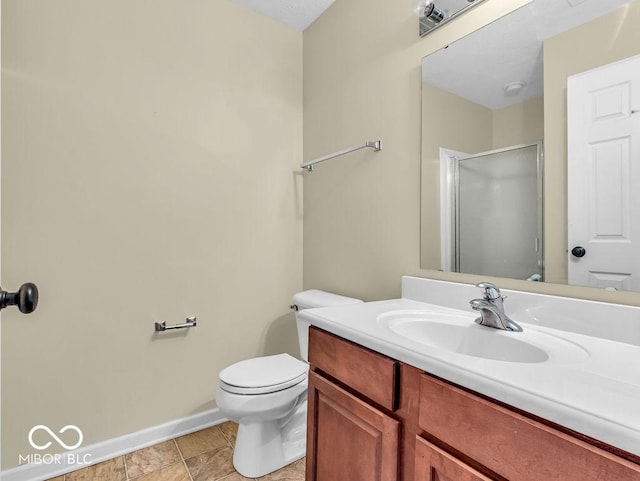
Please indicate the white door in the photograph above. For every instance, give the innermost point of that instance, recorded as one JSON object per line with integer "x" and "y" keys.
{"x": 604, "y": 176}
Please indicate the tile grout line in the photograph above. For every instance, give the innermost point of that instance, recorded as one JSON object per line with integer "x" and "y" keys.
{"x": 224, "y": 435}
{"x": 184, "y": 461}
{"x": 231, "y": 445}
{"x": 126, "y": 469}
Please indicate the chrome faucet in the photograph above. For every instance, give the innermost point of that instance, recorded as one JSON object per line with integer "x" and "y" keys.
{"x": 491, "y": 309}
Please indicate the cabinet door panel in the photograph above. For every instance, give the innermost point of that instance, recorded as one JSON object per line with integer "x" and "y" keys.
{"x": 511, "y": 445}
{"x": 347, "y": 438}
{"x": 434, "y": 464}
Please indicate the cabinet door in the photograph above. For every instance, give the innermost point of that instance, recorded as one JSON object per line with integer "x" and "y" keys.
{"x": 510, "y": 444}
{"x": 347, "y": 438}
{"x": 434, "y": 464}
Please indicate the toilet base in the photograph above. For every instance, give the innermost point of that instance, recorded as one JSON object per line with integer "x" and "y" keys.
{"x": 264, "y": 447}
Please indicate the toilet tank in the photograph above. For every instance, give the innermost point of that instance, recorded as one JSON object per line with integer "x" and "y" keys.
{"x": 310, "y": 299}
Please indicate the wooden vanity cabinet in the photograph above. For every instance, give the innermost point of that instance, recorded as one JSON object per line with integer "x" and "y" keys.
{"x": 510, "y": 444}
{"x": 435, "y": 464}
{"x": 372, "y": 418}
{"x": 369, "y": 373}
{"x": 352, "y": 432}
{"x": 350, "y": 439}
{"x": 362, "y": 413}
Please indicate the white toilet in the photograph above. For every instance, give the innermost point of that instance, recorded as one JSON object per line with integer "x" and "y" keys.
{"x": 267, "y": 397}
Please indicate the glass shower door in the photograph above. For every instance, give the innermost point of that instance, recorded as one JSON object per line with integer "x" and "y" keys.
{"x": 498, "y": 226}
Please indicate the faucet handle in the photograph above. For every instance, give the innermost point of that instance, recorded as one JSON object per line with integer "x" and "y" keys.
{"x": 490, "y": 291}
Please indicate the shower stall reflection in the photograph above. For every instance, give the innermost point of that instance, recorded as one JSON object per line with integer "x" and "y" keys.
{"x": 494, "y": 204}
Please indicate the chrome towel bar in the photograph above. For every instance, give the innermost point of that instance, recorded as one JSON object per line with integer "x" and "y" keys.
{"x": 162, "y": 326}
{"x": 372, "y": 144}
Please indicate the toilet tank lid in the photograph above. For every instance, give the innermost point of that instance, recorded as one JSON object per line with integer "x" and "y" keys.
{"x": 316, "y": 298}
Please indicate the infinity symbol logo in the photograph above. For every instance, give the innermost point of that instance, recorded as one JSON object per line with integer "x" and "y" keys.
{"x": 53, "y": 435}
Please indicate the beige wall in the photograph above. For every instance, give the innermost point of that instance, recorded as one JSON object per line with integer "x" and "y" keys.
{"x": 453, "y": 123}
{"x": 362, "y": 212}
{"x": 148, "y": 161}
{"x": 362, "y": 81}
{"x": 521, "y": 123}
{"x": 613, "y": 37}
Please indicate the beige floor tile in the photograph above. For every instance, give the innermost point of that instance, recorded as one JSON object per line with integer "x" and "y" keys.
{"x": 208, "y": 458}
{"x": 230, "y": 431}
{"x": 201, "y": 441}
{"x": 238, "y": 477}
{"x": 152, "y": 458}
{"x": 175, "y": 472}
{"x": 212, "y": 465}
{"x": 112, "y": 470}
{"x": 292, "y": 472}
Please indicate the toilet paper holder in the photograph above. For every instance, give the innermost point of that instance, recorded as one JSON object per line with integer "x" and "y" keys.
{"x": 162, "y": 326}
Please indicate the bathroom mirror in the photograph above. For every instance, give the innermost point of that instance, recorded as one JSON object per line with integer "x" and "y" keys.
{"x": 504, "y": 86}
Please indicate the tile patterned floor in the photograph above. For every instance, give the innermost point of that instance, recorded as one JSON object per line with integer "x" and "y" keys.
{"x": 201, "y": 456}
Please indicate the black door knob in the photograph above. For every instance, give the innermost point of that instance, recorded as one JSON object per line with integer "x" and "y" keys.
{"x": 26, "y": 298}
{"x": 578, "y": 251}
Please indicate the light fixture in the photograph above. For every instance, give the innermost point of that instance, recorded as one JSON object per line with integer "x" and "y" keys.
{"x": 514, "y": 88}
{"x": 427, "y": 9}
{"x": 433, "y": 13}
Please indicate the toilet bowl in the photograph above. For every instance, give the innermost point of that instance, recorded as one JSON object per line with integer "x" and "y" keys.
{"x": 267, "y": 397}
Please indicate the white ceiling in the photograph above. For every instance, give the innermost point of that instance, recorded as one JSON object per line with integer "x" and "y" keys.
{"x": 298, "y": 14}
{"x": 478, "y": 66}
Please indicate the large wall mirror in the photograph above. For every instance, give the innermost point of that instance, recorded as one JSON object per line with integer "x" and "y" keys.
{"x": 539, "y": 81}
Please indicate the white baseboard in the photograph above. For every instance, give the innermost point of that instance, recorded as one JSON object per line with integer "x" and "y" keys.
{"x": 112, "y": 448}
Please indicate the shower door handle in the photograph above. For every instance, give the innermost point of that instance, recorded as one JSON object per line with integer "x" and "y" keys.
{"x": 26, "y": 298}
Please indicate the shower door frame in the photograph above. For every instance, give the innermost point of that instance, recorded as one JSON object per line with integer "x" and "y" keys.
{"x": 454, "y": 190}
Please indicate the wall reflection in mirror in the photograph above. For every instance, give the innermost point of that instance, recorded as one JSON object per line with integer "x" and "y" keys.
{"x": 504, "y": 87}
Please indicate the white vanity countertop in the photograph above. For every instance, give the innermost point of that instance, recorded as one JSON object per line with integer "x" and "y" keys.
{"x": 597, "y": 393}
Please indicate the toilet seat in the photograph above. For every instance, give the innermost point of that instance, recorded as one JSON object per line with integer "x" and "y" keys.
{"x": 262, "y": 375}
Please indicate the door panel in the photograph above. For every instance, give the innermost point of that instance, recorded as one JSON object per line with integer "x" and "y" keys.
{"x": 604, "y": 176}
{"x": 347, "y": 438}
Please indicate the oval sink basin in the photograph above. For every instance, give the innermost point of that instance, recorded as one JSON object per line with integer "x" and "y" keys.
{"x": 458, "y": 333}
